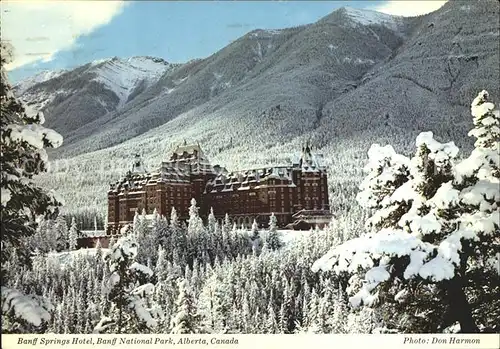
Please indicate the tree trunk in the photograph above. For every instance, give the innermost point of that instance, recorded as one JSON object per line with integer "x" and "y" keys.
{"x": 460, "y": 308}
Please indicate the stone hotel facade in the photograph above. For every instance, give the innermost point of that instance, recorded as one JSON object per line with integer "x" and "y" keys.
{"x": 297, "y": 194}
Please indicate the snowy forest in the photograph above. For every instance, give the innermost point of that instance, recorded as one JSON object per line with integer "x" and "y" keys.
{"x": 426, "y": 259}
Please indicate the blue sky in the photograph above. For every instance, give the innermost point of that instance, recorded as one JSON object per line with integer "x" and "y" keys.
{"x": 64, "y": 36}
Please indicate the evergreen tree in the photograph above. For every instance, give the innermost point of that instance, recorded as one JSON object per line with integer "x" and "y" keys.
{"x": 195, "y": 224}
{"x": 98, "y": 248}
{"x": 73, "y": 235}
{"x": 22, "y": 140}
{"x": 334, "y": 305}
{"x": 431, "y": 229}
{"x": 129, "y": 312}
{"x": 112, "y": 241}
{"x": 187, "y": 320}
{"x": 271, "y": 322}
{"x": 286, "y": 311}
{"x": 360, "y": 322}
{"x": 212, "y": 221}
{"x": 255, "y": 237}
{"x": 136, "y": 225}
{"x": 272, "y": 239}
{"x": 178, "y": 237}
{"x": 62, "y": 234}
{"x": 50, "y": 234}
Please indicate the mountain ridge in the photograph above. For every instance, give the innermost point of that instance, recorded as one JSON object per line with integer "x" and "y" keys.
{"x": 102, "y": 86}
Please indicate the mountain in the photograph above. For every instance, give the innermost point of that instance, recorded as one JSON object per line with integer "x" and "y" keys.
{"x": 22, "y": 86}
{"x": 71, "y": 99}
{"x": 353, "y": 78}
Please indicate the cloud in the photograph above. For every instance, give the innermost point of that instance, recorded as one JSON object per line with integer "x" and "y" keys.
{"x": 409, "y": 8}
{"x": 39, "y": 29}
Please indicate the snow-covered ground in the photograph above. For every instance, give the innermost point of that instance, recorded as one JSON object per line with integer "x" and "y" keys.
{"x": 65, "y": 258}
{"x": 289, "y": 237}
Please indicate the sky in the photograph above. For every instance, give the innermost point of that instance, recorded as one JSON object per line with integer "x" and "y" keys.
{"x": 51, "y": 35}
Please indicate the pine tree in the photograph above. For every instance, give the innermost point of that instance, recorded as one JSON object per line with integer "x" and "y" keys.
{"x": 179, "y": 238}
{"x": 62, "y": 234}
{"x": 430, "y": 231}
{"x": 73, "y": 235}
{"x": 255, "y": 237}
{"x": 129, "y": 311}
{"x": 333, "y": 307}
{"x": 286, "y": 311}
{"x": 147, "y": 236}
{"x": 187, "y": 320}
{"x": 112, "y": 241}
{"x": 161, "y": 231}
{"x": 212, "y": 221}
{"x": 174, "y": 218}
{"x": 313, "y": 310}
{"x": 195, "y": 224}
{"x": 360, "y": 322}
{"x": 272, "y": 239}
{"x": 22, "y": 140}
{"x": 271, "y": 322}
{"x": 161, "y": 265}
{"x": 49, "y": 233}
{"x": 136, "y": 225}
{"x": 98, "y": 246}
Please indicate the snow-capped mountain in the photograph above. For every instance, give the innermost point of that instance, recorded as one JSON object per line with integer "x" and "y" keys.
{"x": 73, "y": 98}
{"x": 367, "y": 17}
{"x": 22, "y": 86}
{"x": 125, "y": 76}
{"x": 351, "y": 79}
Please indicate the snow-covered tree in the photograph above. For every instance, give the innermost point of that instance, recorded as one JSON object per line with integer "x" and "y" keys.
{"x": 429, "y": 228}
{"x": 148, "y": 236}
{"x": 386, "y": 171}
{"x": 212, "y": 221}
{"x": 255, "y": 237}
{"x": 178, "y": 235}
{"x": 272, "y": 320}
{"x": 360, "y": 321}
{"x": 136, "y": 225}
{"x": 333, "y": 312}
{"x": 22, "y": 140}
{"x": 112, "y": 241}
{"x": 129, "y": 291}
{"x": 195, "y": 223}
{"x": 61, "y": 233}
{"x": 272, "y": 239}
{"x": 24, "y": 313}
{"x": 73, "y": 235}
{"x": 215, "y": 304}
{"x": 286, "y": 311}
{"x": 187, "y": 320}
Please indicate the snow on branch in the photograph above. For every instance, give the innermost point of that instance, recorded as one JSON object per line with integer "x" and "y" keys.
{"x": 25, "y": 307}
